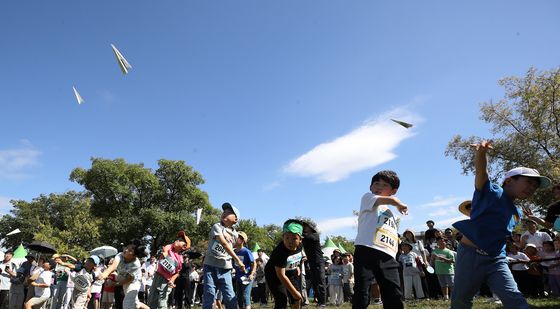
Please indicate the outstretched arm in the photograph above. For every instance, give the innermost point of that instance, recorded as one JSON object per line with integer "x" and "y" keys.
{"x": 481, "y": 163}
{"x": 392, "y": 200}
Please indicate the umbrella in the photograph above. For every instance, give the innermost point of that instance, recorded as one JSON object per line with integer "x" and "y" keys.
{"x": 105, "y": 251}
{"x": 193, "y": 254}
{"x": 41, "y": 247}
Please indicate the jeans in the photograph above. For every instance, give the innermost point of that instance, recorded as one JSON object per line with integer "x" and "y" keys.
{"x": 368, "y": 263}
{"x": 218, "y": 278}
{"x": 244, "y": 294}
{"x": 472, "y": 269}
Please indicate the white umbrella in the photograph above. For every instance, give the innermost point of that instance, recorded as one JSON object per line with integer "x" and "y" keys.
{"x": 105, "y": 251}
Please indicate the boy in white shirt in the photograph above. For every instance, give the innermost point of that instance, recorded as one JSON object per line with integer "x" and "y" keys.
{"x": 377, "y": 243}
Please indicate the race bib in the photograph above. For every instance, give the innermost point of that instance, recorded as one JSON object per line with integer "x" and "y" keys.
{"x": 218, "y": 249}
{"x": 81, "y": 283}
{"x": 168, "y": 264}
{"x": 293, "y": 261}
{"x": 386, "y": 232}
{"x": 387, "y": 239}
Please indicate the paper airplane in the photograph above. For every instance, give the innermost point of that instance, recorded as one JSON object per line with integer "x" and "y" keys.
{"x": 402, "y": 123}
{"x": 123, "y": 64}
{"x": 13, "y": 232}
{"x": 78, "y": 96}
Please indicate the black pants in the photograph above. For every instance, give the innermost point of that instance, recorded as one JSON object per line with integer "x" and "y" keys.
{"x": 279, "y": 292}
{"x": 182, "y": 292}
{"x": 119, "y": 297}
{"x": 368, "y": 263}
{"x": 347, "y": 292}
{"x": 260, "y": 294}
{"x": 4, "y": 298}
{"x": 317, "y": 273}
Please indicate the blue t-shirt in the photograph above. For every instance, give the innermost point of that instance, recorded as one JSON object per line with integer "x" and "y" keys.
{"x": 247, "y": 258}
{"x": 493, "y": 217}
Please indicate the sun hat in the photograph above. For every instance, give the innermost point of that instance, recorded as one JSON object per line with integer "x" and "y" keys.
{"x": 465, "y": 208}
{"x": 228, "y": 206}
{"x": 183, "y": 236}
{"x": 243, "y": 235}
{"x": 529, "y": 172}
{"x": 408, "y": 244}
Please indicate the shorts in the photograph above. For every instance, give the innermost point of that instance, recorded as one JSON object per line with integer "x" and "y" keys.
{"x": 37, "y": 301}
{"x": 446, "y": 280}
{"x": 108, "y": 297}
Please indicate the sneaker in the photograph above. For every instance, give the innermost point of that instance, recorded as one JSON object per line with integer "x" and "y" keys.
{"x": 377, "y": 301}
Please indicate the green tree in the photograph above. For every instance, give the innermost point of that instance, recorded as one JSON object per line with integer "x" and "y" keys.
{"x": 135, "y": 202}
{"x": 525, "y": 127}
{"x": 63, "y": 220}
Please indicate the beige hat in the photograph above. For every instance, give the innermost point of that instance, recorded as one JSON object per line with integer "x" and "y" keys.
{"x": 465, "y": 208}
{"x": 242, "y": 234}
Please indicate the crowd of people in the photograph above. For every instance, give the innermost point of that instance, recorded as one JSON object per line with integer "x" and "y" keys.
{"x": 482, "y": 255}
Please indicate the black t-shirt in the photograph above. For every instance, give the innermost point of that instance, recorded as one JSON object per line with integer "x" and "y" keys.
{"x": 553, "y": 212}
{"x": 283, "y": 258}
{"x": 312, "y": 245}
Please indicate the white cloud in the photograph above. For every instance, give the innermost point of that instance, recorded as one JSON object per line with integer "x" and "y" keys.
{"x": 15, "y": 161}
{"x": 449, "y": 221}
{"x": 439, "y": 201}
{"x": 444, "y": 211}
{"x": 330, "y": 225}
{"x": 271, "y": 186}
{"x": 371, "y": 144}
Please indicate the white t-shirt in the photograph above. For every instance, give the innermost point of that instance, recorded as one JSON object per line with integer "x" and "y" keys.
{"x": 97, "y": 285}
{"x": 536, "y": 239}
{"x": 46, "y": 277}
{"x": 377, "y": 227}
{"x": 4, "y": 276}
{"x": 519, "y": 256}
{"x": 150, "y": 271}
{"x": 193, "y": 276}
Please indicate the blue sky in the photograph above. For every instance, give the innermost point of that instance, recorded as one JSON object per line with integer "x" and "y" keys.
{"x": 283, "y": 106}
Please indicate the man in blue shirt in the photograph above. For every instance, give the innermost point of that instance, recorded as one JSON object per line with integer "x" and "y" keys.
{"x": 481, "y": 255}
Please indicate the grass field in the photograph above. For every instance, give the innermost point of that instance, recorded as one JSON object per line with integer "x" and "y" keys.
{"x": 481, "y": 303}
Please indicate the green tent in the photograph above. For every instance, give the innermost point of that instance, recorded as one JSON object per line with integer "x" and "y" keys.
{"x": 329, "y": 248}
{"x": 256, "y": 247}
{"x": 341, "y": 248}
{"x": 20, "y": 252}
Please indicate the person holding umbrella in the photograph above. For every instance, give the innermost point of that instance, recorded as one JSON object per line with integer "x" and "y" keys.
{"x": 168, "y": 269}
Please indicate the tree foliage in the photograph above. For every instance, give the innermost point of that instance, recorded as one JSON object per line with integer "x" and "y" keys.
{"x": 63, "y": 220}
{"x": 525, "y": 127}
{"x": 135, "y": 202}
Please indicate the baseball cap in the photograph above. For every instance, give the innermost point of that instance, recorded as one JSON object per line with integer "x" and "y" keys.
{"x": 242, "y": 234}
{"x": 529, "y": 172}
{"x": 95, "y": 259}
{"x": 530, "y": 245}
{"x": 226, "y": 206}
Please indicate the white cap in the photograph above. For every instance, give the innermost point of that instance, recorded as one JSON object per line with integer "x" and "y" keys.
{"x": 529, "y": 172}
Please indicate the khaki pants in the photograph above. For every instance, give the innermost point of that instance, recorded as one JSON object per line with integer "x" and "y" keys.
{"x": 80, "y": 299}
